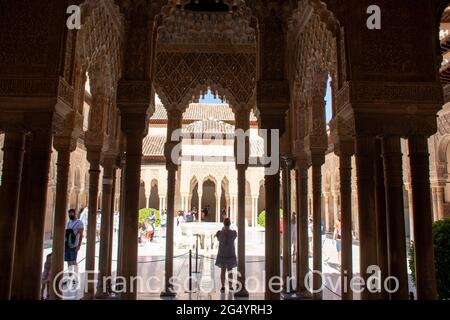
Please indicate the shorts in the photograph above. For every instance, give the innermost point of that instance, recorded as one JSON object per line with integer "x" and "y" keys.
{"x": 338, "y": 245}
{"x": 70, "y": 254}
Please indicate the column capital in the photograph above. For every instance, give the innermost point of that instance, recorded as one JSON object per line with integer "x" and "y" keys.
{"x": 64, "y": 143}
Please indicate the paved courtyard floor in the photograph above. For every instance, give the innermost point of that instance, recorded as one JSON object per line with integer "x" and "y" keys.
{"x": 206, "y": 282}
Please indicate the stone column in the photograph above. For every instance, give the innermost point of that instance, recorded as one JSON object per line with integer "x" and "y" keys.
{"x": 272, "y": 190}
{"x": 345, "y": 187}
{"x": 380, "y": 207}
{"x": 105, "y": 231}
{"x": 302, "y": 226}
{"x": 31, "y": 222}
{"x": 435, "y": 204}
{"x": 420, "y": 184}
{"x": 93, "y": 157}
{"x": 241, "y": 169}
{"x": 147, "y": 201}
{"x": 134, "y": 126}
{"x": 199, "y": 209}
{"x": 410, "y": 211}
{"x": 218, "y": 196}
{"x": 9, "y": 202}
{"x": 241, "y": 154}
{"x": 286, "y": 176}
{"x": 111, "y": 229}
{"x": 174, "y": 116}
{"x": 255, "y": 211}
{"x": 59, "y": 221}
{"x": 392, "y": 161}
{"x": 328, "y": 220}
{"x": 161, "y": 205}
{"x": 440, "y": 200}
{"x": 317, "y": 162}
{"x": 335, "y": 196}
{"x": 365, "y": 150}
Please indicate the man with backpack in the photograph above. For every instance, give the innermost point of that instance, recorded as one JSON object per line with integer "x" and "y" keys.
{"x": 73, "y": 239}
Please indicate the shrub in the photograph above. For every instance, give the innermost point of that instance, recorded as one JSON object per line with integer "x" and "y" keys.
{"x": 262, "y": 218}
{"x": 441, "y": 242}
{"x": 144, "y": 214}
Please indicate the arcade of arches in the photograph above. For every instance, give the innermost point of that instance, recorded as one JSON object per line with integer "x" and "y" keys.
{"x": 79, "y": 127}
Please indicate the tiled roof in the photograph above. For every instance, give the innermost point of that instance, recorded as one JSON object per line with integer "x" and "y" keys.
{"x": 153, "y": 145}
{"x": 209, "y": 126}
{"x": 200, "y": 111}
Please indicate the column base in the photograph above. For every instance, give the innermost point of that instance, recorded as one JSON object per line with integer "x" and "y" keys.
{"x": 243, "y": 293}
{"x": 102, "y": 296}
{"x": 168, "y": 294}
{"x": 303, "y": 295}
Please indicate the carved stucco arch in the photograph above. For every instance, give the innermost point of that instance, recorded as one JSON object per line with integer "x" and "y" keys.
{"x": 99, "y": 53}
{"x": 180, "y": 76}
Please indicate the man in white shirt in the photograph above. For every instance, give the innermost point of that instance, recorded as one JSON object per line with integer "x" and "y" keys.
{"x": 74, "y": 236}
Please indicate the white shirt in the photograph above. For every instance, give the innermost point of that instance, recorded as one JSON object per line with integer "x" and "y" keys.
{"x": 77, "y": 226}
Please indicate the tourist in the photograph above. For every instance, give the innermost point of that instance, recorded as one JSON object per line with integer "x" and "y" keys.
{"x": 116, "y": 221}
{"x": 294, "y": 234}
{"x": 337, "y": 238}
{"x": 226, "y": 255}
{"x": 45, "y": 278}
{"x": 152, "y": 217}
{"x": 149, "y": 231}
{"x": 281, "y": 237}
{"x": 310, "y": 235}
{"x": 74, "y": 236}
{"x": 163, "y": 219}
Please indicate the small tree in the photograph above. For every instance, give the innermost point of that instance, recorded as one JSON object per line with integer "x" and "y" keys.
{"x": 144, "y": 215}
{"x": 262, "y": 218}
{"x": 441, "y": 241}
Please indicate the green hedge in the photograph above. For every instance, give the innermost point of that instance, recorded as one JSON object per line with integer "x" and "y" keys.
{"x": 441, "y": 240}
{"x": 144, "y": 214}
{"x": 262, "y": 218}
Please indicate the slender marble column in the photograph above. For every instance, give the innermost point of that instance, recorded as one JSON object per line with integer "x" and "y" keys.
{"x": 345, "y": 180}
{"x": 30, "y": 245}
{"x": 328, "y": 220}
{"x": 105, "y": 231}
{"x": 365, "y": 150}
{"x": 9, "y": 202}
{"x": 410, "y": 210}
{"x": 111, "y": 229}
{"x": 440, "y": 201}
{"x": 93, "y": 156}
{"x": 241, "y": 169}
{"x": 59, "y": 221}
{"x": 380, "y": 207}
{"x": 286, "y": 176}
{"x": 302, "y": 232}
{"x": 435, "y": 204}
{"x": 22, "y": 220}
{"x": 133, "y": 126}
{"x": 392, "y": 161}
{"x": 420, "y": 184}
{"x": 172, "y": 166}
{"x": 317, "y": 225}
{"x": 199, "y": 209}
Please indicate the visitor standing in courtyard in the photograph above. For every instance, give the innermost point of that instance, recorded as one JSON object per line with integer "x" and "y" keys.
{"x": 45, "y": 278}
{"x": 226, "y": 255}
{"x": 337, "y": 237}
{"x": 74, "y": 237}
{"x": 294, "y": 234}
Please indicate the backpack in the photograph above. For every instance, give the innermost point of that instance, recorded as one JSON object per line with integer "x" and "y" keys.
{"x": 71, "y": 238}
